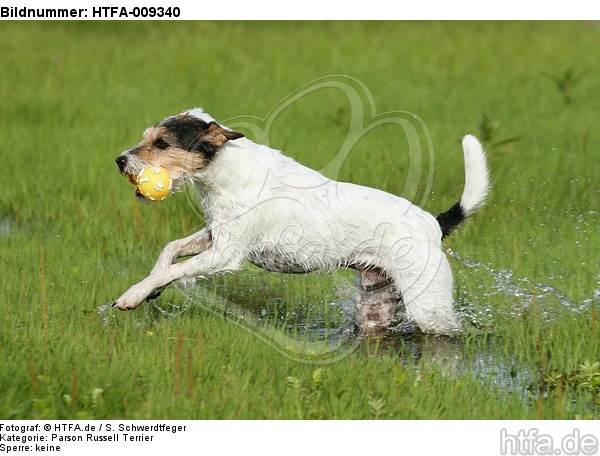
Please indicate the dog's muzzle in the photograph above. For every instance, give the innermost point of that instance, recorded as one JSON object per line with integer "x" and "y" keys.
{"x": 121, "y": 161}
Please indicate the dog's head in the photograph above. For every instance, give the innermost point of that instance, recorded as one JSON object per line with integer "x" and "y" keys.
{"x": 184, "y": 144}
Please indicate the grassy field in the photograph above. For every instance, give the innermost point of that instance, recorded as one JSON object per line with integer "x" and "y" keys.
{"x": 73, "y": 237}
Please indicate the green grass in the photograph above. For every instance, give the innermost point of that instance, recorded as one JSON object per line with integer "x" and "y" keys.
{"x": 72, "y": 236}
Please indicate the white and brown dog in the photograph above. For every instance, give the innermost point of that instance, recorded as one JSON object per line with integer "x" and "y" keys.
{"x": 263, "y": 207}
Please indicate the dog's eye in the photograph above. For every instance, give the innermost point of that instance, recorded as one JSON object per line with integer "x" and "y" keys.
{"x": 161, "y": 144}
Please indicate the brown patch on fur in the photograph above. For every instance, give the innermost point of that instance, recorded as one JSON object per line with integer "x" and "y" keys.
{"x": 179, "y": 162}
{"x": 217, "y": 135}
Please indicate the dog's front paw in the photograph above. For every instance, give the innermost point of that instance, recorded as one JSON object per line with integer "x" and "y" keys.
{"x": 124, "y": 304}
{"x": 131, "y": 299}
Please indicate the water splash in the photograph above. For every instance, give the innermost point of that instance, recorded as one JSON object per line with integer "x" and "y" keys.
{"x": 105, "y": 311}
{"x": 169, "y": 309}
{"x": 522, "y": 292}
{"x": 309, "y": 325}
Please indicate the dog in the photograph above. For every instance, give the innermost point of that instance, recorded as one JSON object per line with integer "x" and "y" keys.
{"x": 265, "y": 208}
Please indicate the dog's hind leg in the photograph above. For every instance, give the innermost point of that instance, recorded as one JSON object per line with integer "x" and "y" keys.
{"x": 377, "y": 302}
{"x": 425, "y": 282}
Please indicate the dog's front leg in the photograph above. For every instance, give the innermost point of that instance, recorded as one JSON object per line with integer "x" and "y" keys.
{"x": 209, "y": 262}
{"x": 139, "y": 292}
{"x": 187, "y": 246}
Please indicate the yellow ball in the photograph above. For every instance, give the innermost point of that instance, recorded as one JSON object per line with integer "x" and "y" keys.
{"x": 154, "y": 182}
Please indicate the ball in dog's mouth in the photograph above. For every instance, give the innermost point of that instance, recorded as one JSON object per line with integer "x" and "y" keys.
{"x": 153, "y": 183}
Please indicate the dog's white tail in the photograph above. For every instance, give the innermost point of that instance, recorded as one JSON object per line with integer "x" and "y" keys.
{"x": 477, "y": 187}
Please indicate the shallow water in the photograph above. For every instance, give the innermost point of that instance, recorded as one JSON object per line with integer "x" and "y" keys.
{"x": 313, "y": 323}
{"x": 7, "y": 227}
{"x": 325, "y": 306}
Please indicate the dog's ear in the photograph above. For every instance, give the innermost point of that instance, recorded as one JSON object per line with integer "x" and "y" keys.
{"x": 216, "y": 135}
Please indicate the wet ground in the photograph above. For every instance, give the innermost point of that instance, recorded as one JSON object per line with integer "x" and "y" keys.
{"x": 316, "y": 322}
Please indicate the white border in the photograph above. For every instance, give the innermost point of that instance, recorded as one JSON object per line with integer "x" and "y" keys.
{"x": 291, "y": 438}
{"x": 347, "y": 10}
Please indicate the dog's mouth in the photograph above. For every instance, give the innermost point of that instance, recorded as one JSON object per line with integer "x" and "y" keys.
{"x": 133, "y": 179}
{"x": 138, "y": 194}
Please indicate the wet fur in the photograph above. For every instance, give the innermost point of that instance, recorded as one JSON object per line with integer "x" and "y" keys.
{"x": 262, "y": 206}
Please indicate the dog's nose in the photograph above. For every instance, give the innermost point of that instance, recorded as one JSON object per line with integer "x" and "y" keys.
{"x": 121, "y": 162}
